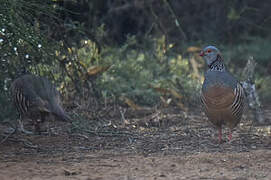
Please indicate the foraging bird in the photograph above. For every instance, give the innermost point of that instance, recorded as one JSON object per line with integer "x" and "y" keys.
{"x": 222, "y": 95}
{"x": 36, "y": 98}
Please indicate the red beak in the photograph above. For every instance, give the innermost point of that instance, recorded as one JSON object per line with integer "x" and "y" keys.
{"x": 201, "y": 53}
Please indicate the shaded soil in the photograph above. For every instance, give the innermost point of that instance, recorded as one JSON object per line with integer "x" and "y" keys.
{"x": 157, "y": 144}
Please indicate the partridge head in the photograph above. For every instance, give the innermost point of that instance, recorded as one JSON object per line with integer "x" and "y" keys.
{"x": 210, "y": 54}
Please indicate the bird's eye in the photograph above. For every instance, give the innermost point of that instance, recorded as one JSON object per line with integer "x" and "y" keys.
{"x": 209, "y": 50}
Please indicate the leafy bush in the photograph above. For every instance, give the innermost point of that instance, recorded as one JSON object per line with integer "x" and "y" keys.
{"x": 23, "y": 46}
{"x": 253, "y": 46}
{"x": 138, "y": 70}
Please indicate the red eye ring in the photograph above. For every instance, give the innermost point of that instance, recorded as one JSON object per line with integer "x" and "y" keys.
{"x": 209, "y": 50}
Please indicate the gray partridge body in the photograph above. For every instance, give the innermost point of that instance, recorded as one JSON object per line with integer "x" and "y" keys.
{"x": 222, "y": 95}
{"x": 36, "y": 98}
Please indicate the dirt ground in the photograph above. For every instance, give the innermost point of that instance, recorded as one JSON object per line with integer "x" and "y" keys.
{"x": 160, "y": 145}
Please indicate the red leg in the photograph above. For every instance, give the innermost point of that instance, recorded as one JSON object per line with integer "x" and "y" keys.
{"x": 220, "y": 135}
{"x": 230, "y": 135}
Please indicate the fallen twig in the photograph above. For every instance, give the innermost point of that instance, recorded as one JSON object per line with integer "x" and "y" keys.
{"x": 81, "y": 135}
{"x": 7, "y": 136}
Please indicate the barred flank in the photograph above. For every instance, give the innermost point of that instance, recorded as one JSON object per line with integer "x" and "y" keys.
{"x": 20, "y": 101}
{"x": 238, "y": 103}
{"x": 32, "y": 94}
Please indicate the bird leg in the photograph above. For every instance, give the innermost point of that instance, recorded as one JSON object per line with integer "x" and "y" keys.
{"x": 36, "y": 124}
{"x": 21, "y": 128}
{"x": 230, "y": 136}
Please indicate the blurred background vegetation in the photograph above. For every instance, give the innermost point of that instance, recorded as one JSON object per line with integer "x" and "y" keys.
{"x": 131, "y": 53}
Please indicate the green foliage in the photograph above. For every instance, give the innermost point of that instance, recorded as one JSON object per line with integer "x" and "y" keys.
{"x": 253, "y": 46}
{"x": 263, "y": 85}
{"x": 136, "y": 71}
{"x": 23, "y": 46}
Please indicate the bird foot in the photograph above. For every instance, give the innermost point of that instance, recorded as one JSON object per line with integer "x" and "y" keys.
{"x": 21, "y": 129}
{"x": 24, "y": 131}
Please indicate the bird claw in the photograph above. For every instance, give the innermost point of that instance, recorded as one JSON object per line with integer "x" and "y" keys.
{"x": 22, "y": 130}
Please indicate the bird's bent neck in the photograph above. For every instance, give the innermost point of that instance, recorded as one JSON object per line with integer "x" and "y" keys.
{"x": 217, "y": 65}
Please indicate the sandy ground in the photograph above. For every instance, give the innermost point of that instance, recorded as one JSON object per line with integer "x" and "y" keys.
{"x": 175, "y": 151}
{"x": 105, "y": 165}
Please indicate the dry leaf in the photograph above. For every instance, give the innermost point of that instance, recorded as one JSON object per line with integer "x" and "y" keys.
{"x": 175, "y": 94}
{"x": 193, "y": 49}
{"x": 159, "y": 89}
{"x": 130, "y": 103}
{"x": 70, "y": 50}
{"x": 95, "y": 70}
{"x": 83, "y": 64}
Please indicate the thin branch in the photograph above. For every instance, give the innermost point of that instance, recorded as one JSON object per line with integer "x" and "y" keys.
{"x": 7, "y": 136}
{"x": 177, "y": 21}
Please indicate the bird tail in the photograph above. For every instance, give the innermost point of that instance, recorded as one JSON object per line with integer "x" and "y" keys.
{"x": 61, "y": 114}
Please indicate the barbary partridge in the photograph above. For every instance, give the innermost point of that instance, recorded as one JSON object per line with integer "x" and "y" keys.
{"x": 36, "y": 98}
{"x": 222, "y": 95}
